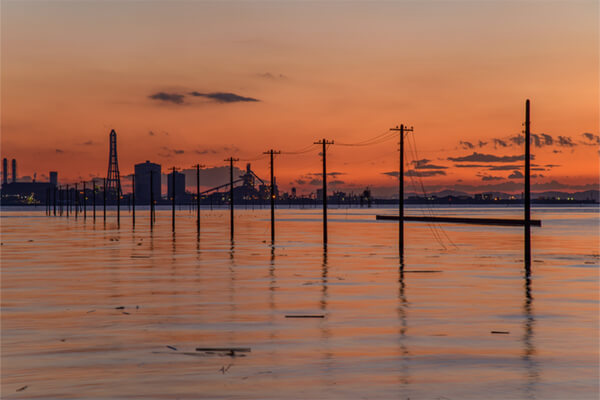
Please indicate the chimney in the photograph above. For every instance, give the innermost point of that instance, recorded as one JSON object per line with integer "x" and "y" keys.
{"x": 14, "y": 170}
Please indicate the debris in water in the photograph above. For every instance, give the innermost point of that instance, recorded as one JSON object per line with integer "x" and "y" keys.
{"x": 500, "y": 332}
{"x": 126, "y": 313}
{"x": 228, "y": 351}
{"x": 306, "y": 316}
{"x": 91, "y": 311}
{"x": 120, "y": 308}
{"x": 225, "y": 369}
{"x": 172, "y": 347}
{"x": 21, "y": 389}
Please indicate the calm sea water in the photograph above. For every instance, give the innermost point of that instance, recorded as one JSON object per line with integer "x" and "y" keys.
{"x": 421, "y": 332}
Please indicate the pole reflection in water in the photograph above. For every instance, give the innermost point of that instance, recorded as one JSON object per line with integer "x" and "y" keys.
{"x": 532, "y": 373}
{"x": 404, "y": 371}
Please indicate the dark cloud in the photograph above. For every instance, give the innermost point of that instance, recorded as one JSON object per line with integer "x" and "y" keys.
{"x": 300, "y": 181}
{"x": 491, "y": 178}
{"x": 150, "y": 133}
{"x": 333, "y": 174}
{"x": 223, "y": 97}
{"x": 178, "y": 151}
{"x": 316, "y": 182}
{"x": 174, "y": 98}
{"x": 515, "y": 175}
{"x": 88, "y": 143}
{"x": 268, "y": 75}
{"x": 466, "y": 145}
{"x": 478, "y": 157}
{"x": 499, "y": 142}
{"x": 591, "y": 139}
{"x": 411, "y": 172}
{"x": 423, "y": 174}
{"x": 565, "y": 141}
{"x": 206, "y": 151}
{"x": 336, "y": 182}
{"x": 59, "y": 151}
{"x": 481, "y": 143}
{"x": 424, "y": 164}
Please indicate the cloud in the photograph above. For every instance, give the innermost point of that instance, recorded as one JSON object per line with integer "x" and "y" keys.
{"x": 150, "y": 133}
{"x": 268, "y": 75}
{"x": 300, "y": 181}
{"x": 466, "y": 145}
{"x": 88, "y": 143}
{"x": 478, "y": 157}
{"x": 424, "y": 164}
{"x": 206, "y": 151}
{"x": 499, "y": 142}
{"x": 591, "y": 139}
{"x": 411, "y": 172}
{"x": 481, "y": 143}
{"x": 168, "y": 152}
{"x": 316, "y": 182}
{"x": 223, "y": 97}
{"x": 491, "y": 178}
{"x": 59, "y": 151}
{"x": 515, "y": 175}
{"x": 336, "y": 182}
{"x": 178, "y": 151}
{"x": 175, "y": 98}
{"x": 565, "y": 141}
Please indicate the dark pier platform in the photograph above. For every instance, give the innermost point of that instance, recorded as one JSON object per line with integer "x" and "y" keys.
{"x": 464, "y": 220}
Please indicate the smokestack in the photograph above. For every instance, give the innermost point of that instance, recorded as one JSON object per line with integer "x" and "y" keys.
{"x": 14, "y": 170}
{"x": 54, "y": 178}
{"x": 5, "y": 171}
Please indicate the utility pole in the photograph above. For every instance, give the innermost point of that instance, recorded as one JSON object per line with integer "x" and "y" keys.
{"x": 198, "y": 166}
{"x": 94, "y": 194}
{"x": 527, "y": 189}
{"x": 54, "y": 198}
{"x": 67, "y": 196}
{"x": 173, "y": 199}
{"x": 272, "y": 152}
{"x": 231, "y": 160}
{"x": 133, "y": 198}
{"x": 324, "y": 142}
{"x": 151, "y": 202}
{"x": 76, "y": 201}
{"x": 84, "y": 203}
{"x": 401, "y": 130}
{"x": 104, "y": 201}
{"x": 119, "y": 203}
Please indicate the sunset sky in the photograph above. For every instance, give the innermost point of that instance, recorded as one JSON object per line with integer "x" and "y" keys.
{"x": 189, "y": 82}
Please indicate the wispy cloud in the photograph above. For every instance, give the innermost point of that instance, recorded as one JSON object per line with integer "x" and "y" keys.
{"x": 479, "y": 157}
{"x": 174, "y": 98}
{"x": 223, "y": 97}
{"x": 590, "y": 139}
{"x": 425, "y": 164}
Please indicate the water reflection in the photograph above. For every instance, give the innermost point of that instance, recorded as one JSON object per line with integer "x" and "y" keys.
{"x": 402, "y": 337}
{"x": 532, "y": 374}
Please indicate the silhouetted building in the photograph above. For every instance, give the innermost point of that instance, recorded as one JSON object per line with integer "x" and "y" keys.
{"x": 54, "y": 177}
{"x": 26, "y": 192}
{"x": 4, "y": 171}
{"x": 142, "y": 182}
{"x": 179, "y": 186}
{"x": 14, "y": 170}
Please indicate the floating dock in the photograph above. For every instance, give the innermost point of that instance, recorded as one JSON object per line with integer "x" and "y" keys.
{"x": 464, "y": 220}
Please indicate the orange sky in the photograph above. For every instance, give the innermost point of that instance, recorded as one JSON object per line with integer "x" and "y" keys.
{"x": 455, "y": 70}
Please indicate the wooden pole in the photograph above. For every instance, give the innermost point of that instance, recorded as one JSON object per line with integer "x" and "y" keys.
{"x": 527, "y": 202}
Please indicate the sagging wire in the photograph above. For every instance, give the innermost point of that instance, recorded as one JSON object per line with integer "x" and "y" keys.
{"x": 414, "y": 153}
{"x": 381, "y": 138}
{"x": 307, "y": 149}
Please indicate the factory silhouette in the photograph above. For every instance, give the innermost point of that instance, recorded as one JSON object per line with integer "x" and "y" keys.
{"x": 147, "y": 187}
